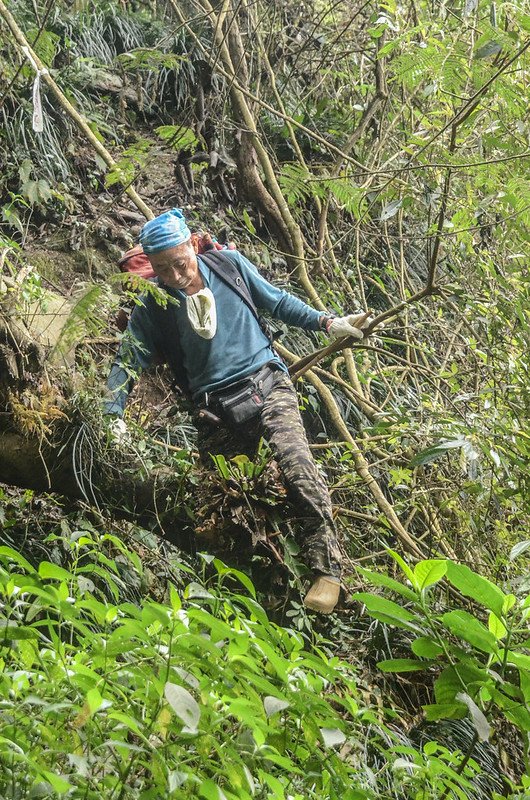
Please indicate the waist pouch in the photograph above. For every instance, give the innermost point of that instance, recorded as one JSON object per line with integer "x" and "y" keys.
{"x": 244, "y": 400}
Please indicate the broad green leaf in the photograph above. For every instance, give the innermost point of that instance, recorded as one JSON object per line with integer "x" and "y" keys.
{"x": 184, "y": 705}
{"x": 461, "y": 677}
{"x": 402, "y": 665}
{"x": 519, "y": 659}
{"x": 58, "y": 784}
{"x": 386, "y": 610}
{"x": 438, "y": 711}
{"x": 496, "y": 627}
{"x": 380, "y": 579}
{"x": 210, "y": 791}
{"x": 177, "y": 136}
{"x": 127, "y": 720}
{"x": 475, "y": 586}
{"x": 94, "y": 700}
{"x": 429, "y": 572}
{"x": 426, "y": 648}
{"x": 49, "y": 570}
{"x": 434, "y": 452}
{"x": 174, "y": 598}
{"x": 13, "y": 632}
{"x": 237, "y": 574}
{"x": 471, "y": 630}
{"x": 14, "y": 555}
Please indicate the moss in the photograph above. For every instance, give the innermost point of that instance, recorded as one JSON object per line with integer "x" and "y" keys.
{"x": 52, "y": 265}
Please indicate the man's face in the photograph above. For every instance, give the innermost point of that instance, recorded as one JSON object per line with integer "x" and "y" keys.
{"x": 176, "y": 267}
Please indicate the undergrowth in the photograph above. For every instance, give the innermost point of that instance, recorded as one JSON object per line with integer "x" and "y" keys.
{"x": 198, "y": 694}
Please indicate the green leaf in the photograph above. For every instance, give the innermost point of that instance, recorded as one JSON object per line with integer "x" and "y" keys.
{"x": 467, "y": 627}
{"x": 380, "y": 579}
{"x": 174, "y": 598}
{"x": 426, "y": 648}
{"x": 177, "y": 136}
{"x": 13, "y": 555}
{"x": 402, "y": 665}
{"x": 248, "y": 222}
{"x": 94, "y": 700}
{"x": 520, "y": 660}
{"x": 49, "y": 570}
{"x": 12, "y": 632}
{"x": 404, "y": 566}
{"x": 438, "y": 711}
{"x": 434, "y": 452}
{"x": 237, "y": 574}
{"x": 429, "y": 572}
{"x": 476, "y": 587}
{"x": 58, "y": 784}
{"x": 210, "y": 791}
{"x": 386, "y": 610}
{"x": 496, "y": 627}
{"x": 461, "y": 677}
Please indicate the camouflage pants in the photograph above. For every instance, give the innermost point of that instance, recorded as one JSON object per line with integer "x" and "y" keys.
{"x": 281, "y": 425}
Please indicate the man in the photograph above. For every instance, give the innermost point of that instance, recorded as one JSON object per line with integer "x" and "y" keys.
{"x": 213, "y": 339}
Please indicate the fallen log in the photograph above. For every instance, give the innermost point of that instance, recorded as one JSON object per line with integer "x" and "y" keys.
{"x": 74, "y": 466}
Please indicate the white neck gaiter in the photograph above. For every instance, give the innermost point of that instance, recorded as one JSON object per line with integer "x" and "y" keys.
{"x": 202, "y": 313}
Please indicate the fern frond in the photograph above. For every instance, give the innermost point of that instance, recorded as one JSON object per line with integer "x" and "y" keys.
{"x": 136, "y": 286}
{"x": 84, "y": 318}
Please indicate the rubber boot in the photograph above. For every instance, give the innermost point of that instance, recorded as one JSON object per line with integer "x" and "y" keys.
{"x": 323, "y": 594}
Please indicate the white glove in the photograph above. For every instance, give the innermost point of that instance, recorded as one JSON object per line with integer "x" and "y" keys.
{"x": 118, "y": 432}
{"x": 351, "y": 325}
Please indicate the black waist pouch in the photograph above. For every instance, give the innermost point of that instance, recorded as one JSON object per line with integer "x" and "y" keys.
{"x": 244, "y": 400}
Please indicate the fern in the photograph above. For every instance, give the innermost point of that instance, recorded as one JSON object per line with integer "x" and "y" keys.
{"x": 85, "y": 318}
{"x": 133, "y": 159}
{"x": 346, "y": 194}
{"x": 294, "y": 180}
{"x": 137, "y": 286}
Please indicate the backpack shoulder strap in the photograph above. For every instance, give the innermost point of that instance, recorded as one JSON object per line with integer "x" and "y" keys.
{"x": 225, "y": 268}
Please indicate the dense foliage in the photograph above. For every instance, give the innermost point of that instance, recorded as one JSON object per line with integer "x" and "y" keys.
{"x": 364, "y": 154}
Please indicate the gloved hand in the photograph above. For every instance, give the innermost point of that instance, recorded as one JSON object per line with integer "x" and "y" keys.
{"x": 351, "y": 325}
{"x": 118, "y": 432}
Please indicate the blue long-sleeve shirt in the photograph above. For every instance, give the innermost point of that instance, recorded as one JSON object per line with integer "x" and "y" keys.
{"x": 238, "y": 348}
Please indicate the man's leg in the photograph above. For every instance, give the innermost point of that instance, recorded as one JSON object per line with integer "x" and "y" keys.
{"x": 284, "y": 429}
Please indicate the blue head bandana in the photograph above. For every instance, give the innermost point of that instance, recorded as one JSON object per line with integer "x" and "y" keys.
{"x": 167, "y": 230}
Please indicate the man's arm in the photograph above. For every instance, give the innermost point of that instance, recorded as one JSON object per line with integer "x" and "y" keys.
{"x": 136, "y": 353}
{"x": 279, "y": 303}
